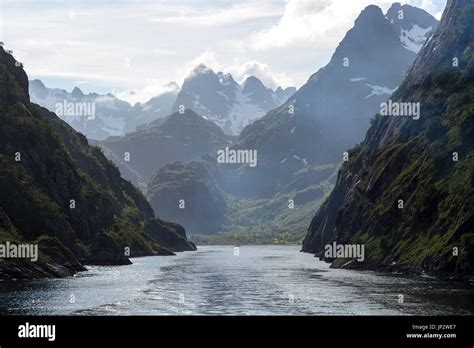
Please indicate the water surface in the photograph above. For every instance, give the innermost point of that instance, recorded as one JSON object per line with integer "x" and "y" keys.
{"x": 261, "y": 280}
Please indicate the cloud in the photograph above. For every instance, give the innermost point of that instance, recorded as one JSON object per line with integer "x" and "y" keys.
{"x": 239, "y": 70}
{"x": 146, "y": 93}
{"x": 212, "y": 16}
{"x": 142, "y": 44}
{"x": 261, "y": 70}
{"x": 206, "y": 57}
{"x": 435, "y": 7}
{"x": 308, "y": 22}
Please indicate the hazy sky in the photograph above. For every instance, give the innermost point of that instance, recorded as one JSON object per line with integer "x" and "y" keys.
{"x": 119, "y": 46}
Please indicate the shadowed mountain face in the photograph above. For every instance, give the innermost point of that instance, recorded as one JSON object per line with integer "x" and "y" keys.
{"x": 59, "y": 192}
{"x": 331, "y": 112}
{"x": 407, "y": 192}
{"x": 188, "y": 194}
{"x": 219, "y": 98}
{"x": 179, "y": 137}
{"x": 100, "y": 116}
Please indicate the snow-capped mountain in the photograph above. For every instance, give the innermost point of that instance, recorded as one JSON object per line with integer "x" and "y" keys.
{"x": 412, "y": 24}
{"x": 332, "y": 110}
{"x": 219, "y": 98}
{"x": 96, "y": 116}
{"x": 100, "y": 116}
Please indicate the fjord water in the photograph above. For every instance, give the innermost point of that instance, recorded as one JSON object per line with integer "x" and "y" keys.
{"x": 260, "y": 280}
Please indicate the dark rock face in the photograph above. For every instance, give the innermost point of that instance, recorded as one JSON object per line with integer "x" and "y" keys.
{"x": 59, "y": 192}
{"x": 169, "y": 235}
{"x": 331, "y": 112}
{"x": 203, "y": 205}
{"x": 180, "y": 137}
{"x": 412, "y": 160}
{"x": 16, "y": 73}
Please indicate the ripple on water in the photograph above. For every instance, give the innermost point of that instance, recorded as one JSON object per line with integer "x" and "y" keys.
{"x": 262, "y": 280}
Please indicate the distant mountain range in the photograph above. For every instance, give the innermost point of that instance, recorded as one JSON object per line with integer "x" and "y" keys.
{"x": 219, "y": 98}
{"x": 407, "y": 191}
{"x": 216, "y": 97}
{"x": 111, "y": 116}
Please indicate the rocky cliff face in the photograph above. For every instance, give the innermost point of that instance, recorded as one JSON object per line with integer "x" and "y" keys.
{"x": 59, "y": 192}
{"x": 189, "y": 195}
{"x": 170, "y": 236}
{"x": 407, "y": 192}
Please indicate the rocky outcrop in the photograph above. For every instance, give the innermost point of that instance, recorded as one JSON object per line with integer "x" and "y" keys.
{"x": 169, "y": 235}
{"x": 189, "y": 195}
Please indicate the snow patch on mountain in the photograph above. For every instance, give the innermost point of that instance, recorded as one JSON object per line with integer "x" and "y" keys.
{"x": 230, "y": 105}
{"x": 414, "y": 38}
{"x": 379, "y": 90}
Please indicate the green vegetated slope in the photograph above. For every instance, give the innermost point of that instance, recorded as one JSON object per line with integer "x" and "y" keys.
{"x": 282, "y": 219}
{"x": 44, "y": 164}
{"x": 194, "y": 195}
{"x": 412, "y": 160}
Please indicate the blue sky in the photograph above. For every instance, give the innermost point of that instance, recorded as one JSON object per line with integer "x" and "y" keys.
{"x": 142, "y": 45}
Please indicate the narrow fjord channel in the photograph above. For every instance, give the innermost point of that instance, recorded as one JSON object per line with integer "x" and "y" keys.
{"x": 260, "y": 280}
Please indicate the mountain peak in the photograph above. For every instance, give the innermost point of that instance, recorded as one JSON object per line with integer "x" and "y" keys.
{"x": 407, "y": 16}
{"x": 77, "y": 93}
{"x": 201, "y": 69}
{"x": 172, "y": 86}
{"x": 37, "y": 83}
{"x": 225, "y": 79}
{"x": 17, "y": 71}
{"x": 369, "y": 13}
{"x": 252, "y": 83}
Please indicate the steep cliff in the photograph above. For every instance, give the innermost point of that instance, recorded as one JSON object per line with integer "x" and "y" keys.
{"x": 407, "y": 192}
{"x": 60, "y": 193}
